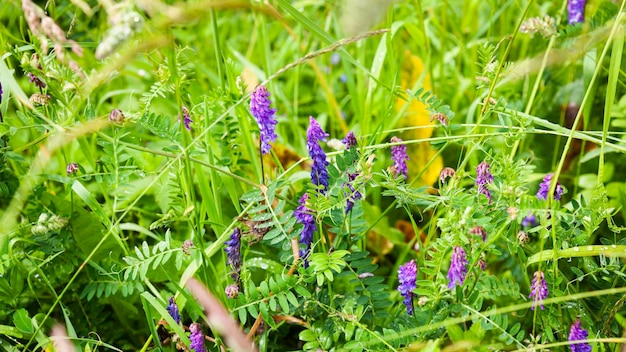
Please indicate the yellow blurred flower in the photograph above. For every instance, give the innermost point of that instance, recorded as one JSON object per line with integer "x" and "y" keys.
{"x": 418, "y": 117}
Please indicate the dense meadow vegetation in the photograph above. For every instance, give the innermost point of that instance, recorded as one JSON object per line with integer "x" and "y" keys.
{"x": 213, "y": 175}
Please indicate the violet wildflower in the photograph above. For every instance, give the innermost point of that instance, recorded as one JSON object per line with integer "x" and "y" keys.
{"x": 335, "y": 58}
{"x": 544, "y": 188}
{"x": 172, "y": 308}
{"x": 196, "y": 337}
{"x": 186, "y": 118}
{"x": 538, "y": 289}
{"x": 445, "y": 173}
{"x": 483, "y": 178}
{"x": 482, "y": 263}
{"x": 319, "y": 171}
{"x": 36, "y": 81}
{"x": 458, "y": 267}
{"x": 233, "y": 252}
{"x": 479, "y": 231}
{"x": 350, "y": 140}
{"x": 577, "y": 333}
{"x": 529, "y": 220}
{"x": 71, "y": 168}
{"x": 353, "y": 195}
{"x": 260, "y": 108}
{"x": 576, "y": 11}
{"x": 399, "y": 157}
{"x": 304, "y": 216}
{"x": 407, "y": 276}
{"x": 1, "y": 92}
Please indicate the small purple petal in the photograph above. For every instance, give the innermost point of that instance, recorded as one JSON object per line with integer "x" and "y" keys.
{"x": 319, "y": 171}
{"x": 577, "y": 333}
{"x": 407, "y": 276}
{"x": 399, "y": 157}
{"x": 260, "y": 108}
{"x": 458, "y": 267}
{"x": 538, "y": 290}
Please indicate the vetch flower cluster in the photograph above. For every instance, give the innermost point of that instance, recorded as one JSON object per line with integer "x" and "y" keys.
{"x": 264, "y": 115}
{"x": 353, "y": 194}
{"x": 233, "y": 252}
{"x": 319, "y": 171}
{"x": 577, "y": 333}
{"x": 458, "y": 267}
{"x": 479, "y": 231}
{"x": 186, "y": 118}
{"x": 544, "y": 188}
{"x": 197, "y": 338}
{"x": 172, "y": 308}
{"x": 350, "y": 140}
{"x": 538, "y": 289}
{"x": 483, "y": 178}
{"x": 304, "y": 216}
{"x": 36, "y": 81}
{"x": 71, "y": 168}
{"x": 445, "y": 173}
{"x": 407, "y": 276}
{"x": 399, "y": 157}
{"x": 232, "y": 291}
{"x": 116, "y": 116}
{"x": 529, "y": 220}
{"x": 576, "y": 11}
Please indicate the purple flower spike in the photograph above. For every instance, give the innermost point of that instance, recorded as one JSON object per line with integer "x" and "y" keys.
{"x": 304, "y": 216}
{"x": 233, "y": 252}
{"x": 197, "y": 338}
{"x": 172, "y": 308}
{"x": 407, "y": 275}
{"x": 1, "y": 92}
{"x": 529, "y": 220}
{"x": 577, "y": 333}
{"x": 544, "y": 188}
{"x": 353, "y": 195}
{"x": 538, "y": 289}
{"x": 319, "y": 171}
{"x": 260, "y": 108}
{"x": 399, "y": 157}
{"x": 483, "y": 178}
{"x": 350, "y": 140}
{"x": 36, "y": 81}
{"x": 458, "y": 267}
{"x": 576, "y": 11}
{"x": 186, "y": 118}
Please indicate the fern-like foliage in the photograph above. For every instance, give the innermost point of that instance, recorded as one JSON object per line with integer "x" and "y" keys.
{"x": 269, "y": 222}
{"x": 107, "y": 288}
{"x": 163, "y": 126}
{"x": 146, "y": 259}
{"x": 433, "y": 104}
{"x": 277, "y": 294}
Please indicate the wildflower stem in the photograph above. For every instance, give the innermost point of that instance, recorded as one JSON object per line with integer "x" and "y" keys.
{"x": 262, "y": 163}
